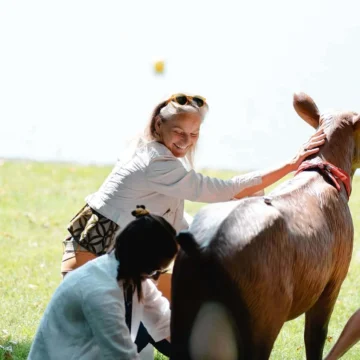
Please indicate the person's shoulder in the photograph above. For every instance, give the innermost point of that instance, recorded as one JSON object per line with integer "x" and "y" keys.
{"x": 155, "y": 150}
{"x": 100, "y": 272}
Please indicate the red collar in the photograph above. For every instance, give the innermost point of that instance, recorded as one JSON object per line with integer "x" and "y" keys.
{"x": 334, "y": 173}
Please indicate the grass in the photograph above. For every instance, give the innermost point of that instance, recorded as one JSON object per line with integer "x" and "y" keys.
{"x": 38, "y": 200}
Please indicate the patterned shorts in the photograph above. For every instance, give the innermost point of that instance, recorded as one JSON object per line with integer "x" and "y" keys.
{"x": 91, "y": 235}
{"x": 92, "y": 231}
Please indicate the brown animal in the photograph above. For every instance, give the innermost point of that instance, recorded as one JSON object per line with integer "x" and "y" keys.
{"x": 259, "y": 262}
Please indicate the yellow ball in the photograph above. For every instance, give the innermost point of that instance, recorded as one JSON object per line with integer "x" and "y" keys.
{"x": 159, "y": 66}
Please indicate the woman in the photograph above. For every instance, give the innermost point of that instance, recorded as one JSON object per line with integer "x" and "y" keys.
{"x": 158, "y": 174}
{"x": 96, "y": 311}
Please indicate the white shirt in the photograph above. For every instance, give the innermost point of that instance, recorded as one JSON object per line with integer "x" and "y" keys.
{"x": 85, "y": 318}
{"x": 154, "y": 177}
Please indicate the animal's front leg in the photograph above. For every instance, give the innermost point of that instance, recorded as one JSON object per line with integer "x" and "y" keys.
{"x": 316, "y": 324}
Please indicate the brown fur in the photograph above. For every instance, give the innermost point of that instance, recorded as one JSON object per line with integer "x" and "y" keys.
{"x": 270, "y": 263}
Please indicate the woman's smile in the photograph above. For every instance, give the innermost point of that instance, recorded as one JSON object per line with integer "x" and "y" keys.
{"x": 181, "y": 147}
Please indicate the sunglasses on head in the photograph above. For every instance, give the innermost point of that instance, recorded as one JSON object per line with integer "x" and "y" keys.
{"x": 183, "y": 99}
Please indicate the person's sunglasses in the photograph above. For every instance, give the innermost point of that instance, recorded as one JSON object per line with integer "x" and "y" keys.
{"x": 156, "y": 273}
{"x": 183, "y": 99}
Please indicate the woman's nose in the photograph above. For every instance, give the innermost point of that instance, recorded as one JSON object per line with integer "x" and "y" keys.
{"x": 186, "y": 138}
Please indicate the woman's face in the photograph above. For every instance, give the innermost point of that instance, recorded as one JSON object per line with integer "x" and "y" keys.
{"x": 160, "y": 269}
{"x": 180, "y": 133}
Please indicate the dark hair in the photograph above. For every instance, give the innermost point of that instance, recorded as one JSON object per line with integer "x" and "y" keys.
{"x": 144, "y": 246}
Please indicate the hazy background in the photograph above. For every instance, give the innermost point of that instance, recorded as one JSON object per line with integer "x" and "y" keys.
{"x": 77, "y": 79}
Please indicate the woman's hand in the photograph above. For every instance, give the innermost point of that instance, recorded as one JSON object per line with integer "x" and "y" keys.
{"x": 309, "y": 148}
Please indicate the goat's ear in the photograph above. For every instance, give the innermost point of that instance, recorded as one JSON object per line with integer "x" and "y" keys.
{"x": 306, "y": 108}
{"x": 356, "y": 122}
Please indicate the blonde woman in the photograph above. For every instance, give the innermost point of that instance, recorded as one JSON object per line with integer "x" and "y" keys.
{"x": 159, "y": 174}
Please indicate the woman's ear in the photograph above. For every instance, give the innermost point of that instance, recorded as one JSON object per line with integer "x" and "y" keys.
{"x": 158, "y": 123}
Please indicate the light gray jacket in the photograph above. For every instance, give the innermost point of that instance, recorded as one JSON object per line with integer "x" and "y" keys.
{"x": 154, "y": 177}
{"x": 85, "y": 318}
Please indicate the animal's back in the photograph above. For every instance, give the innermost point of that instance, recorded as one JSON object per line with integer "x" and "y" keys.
{"x": 289, "y": 243}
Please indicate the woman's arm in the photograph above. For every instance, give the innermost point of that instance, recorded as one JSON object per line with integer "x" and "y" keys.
{"x": 269, "y": 177}
{"x": 166, "y": 175}
{"x": 104, "y": 311}
{"x": 157, "y": 312}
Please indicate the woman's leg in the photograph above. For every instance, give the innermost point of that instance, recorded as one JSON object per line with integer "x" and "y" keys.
{"x": 74, "y": 256}
{"x": 143, "y": 338}
{"x": 164, "y": 346}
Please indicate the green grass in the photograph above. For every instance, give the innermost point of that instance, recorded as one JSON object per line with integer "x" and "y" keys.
{"x": 37, "y": 200}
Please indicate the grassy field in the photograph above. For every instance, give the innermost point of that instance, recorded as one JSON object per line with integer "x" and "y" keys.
{"x": 36, "y": 202}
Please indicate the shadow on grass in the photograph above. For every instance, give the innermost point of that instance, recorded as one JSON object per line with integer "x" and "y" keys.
{"x": 12, "y": 350}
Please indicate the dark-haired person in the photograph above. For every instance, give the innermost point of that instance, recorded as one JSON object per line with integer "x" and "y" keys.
{"x": 95, "y": 313}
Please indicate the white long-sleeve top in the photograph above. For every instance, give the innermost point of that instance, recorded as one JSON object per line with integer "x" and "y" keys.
{"x": 85, "y": 318}
{"x": 154, "y": 177}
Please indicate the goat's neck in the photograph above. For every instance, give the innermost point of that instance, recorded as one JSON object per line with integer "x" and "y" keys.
{"x": 338, "y": 150}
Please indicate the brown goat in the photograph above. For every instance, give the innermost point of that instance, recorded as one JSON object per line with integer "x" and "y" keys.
{"x": 263, "y": 261}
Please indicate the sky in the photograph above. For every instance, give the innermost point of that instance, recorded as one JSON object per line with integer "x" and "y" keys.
{"x": 77, "y": 79}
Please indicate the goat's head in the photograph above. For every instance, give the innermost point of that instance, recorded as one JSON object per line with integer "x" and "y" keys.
{"x": 342, "y": 130}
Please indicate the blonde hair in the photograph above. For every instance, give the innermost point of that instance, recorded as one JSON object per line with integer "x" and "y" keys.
{"x": 150, "y": 133}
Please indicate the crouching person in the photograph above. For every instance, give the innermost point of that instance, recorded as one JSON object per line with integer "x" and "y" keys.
{"x": 95, "y": 313}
